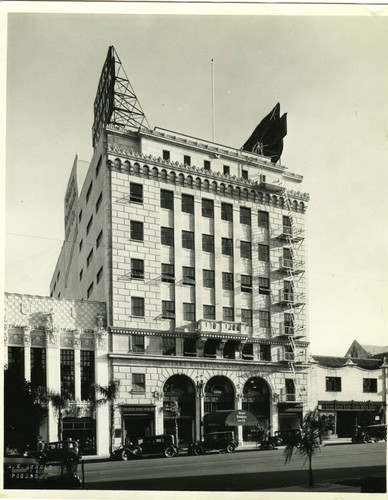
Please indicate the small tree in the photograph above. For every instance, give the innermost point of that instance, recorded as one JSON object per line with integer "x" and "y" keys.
{"x": 308, "y": 444}
{"x": 61, "y": 402}
{"x": 109, "y": 395}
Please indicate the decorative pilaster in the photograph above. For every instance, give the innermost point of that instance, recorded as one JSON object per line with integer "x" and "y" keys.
{"x": 101, "y": 376}
{"x": 27, "y": 352}
{"x": 53, "y": 360}
{"x": 77, "y": 364}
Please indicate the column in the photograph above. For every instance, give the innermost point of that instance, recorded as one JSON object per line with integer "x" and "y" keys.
{"x": 179, "y": 346}
{"x": 101, "y": 363}
{"x": 239, "y": 428}
{"x": 27, "y": 353}
{"x": 77, "y": 366}
{"x": 53, "y": 366}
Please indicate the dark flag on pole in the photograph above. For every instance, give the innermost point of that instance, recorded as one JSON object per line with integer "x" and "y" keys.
{"x": 267, "y": 138}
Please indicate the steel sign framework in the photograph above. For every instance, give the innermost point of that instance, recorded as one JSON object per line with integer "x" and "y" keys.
{"x": 116, "y": 102}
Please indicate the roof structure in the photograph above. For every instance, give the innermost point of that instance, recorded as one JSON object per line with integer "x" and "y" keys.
{"x": 357, "y": 350}
{"x": 339, "y": 362}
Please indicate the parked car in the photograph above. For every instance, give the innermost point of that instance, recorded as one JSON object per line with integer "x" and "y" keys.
{"x": 221, "y": 441}
{"x": 163, "y": 444}
{"x": 271, "y": 442}
{"x": 63, "y": 452}
{"x": 289, "y": 436}
{"x": 376, "y": 432}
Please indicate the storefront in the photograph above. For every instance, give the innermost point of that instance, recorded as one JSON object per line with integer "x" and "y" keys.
{"x": 137, "y": 422}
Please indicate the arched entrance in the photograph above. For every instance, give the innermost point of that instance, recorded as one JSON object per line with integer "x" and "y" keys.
{"x": 219, "y": 395}
{"x": 256, "y": 399}
{"x": 179, "y": 394}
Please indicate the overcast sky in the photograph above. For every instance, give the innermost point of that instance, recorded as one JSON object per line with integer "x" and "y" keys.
{"x": 330, "y": 74}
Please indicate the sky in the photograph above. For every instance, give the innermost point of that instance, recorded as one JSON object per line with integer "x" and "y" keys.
{"x": 329, "y": 73}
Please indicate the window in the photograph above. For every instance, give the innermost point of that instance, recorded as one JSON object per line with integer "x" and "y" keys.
{"x": 264, "y": 286}
{"x": 98, "y": 167}
{"x": 81, "y": 243}
{"x": 87, "y": 375}
{"x": 99, "y": 201}
{"x": 209, "y": 312}
{"x": 288, "y": 323}
{"x": 137, "y": 269}
{"x": 264, "y": 253}
{"x": 207, "y": 208}
{"x": 67, "y": 371}
{"x": 244, "y": 174}
{"x": 188, "y": 311}
{"x": 99, "y": 239}
{"x": 369, "y": 384}
{"x": 227, "y": 212}
{"x": 167, "y": 236}
{"x": 187, "y": 203}
{"x": 247, "y": 351}
{"x": 333, "y": 384}
{"x": 16, "y": 361}
{"x": 99, "y": 274}
{"x": 246, "y": 316}
{"x": 168, "y": 309}
{"x": 90, "y": 290}
{"x": 264, "y": 319}
{"x": 89, "y": 258}
{"x": 136, "y": 193}
{"x": 245, "y": 216}
{"x": 138, "y": 382}
{"x": 290, "y": 389}
{"x": 187, "y": 160}
{"x": 188, "y": 275}
{"x": 227, "y": 314}
{"x": 137, "y": 230}
{"x": 137, "y": 306}
{"x": 263, "y": 219}
{"x": 208, "y": 278}
{"x": 208, "y": 243}
{"x": 167, "y": 199}
{"x": 188, "y": 240}
{"x": 89, "y": 226}
{"x": 206, "y": 164}
{"x": 168, "y": 274}
{"x": 137, "y": 342}
{"x": 168, "y": 346}
{"x": 81, "y": 273}
{"x": 227, "y": 281}
{"x": 245, "y": 250}
{"x": 80, "y": 216}
{"x": 246, "y": 283}
{"x": 89, "y": 192}
{"x": 227, "y": 246}
{"x": 287, "y": 257}
{"x": 226, "y": 170}
{"x": 166, "y": 154}
{"x": 38, "y": 367}
{"x": 265, "y": 352}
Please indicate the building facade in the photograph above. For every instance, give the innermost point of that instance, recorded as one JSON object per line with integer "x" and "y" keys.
{"x": 349, "y": 391}
{"x": 198, "y": 251}
{"x": 61, "y": 345}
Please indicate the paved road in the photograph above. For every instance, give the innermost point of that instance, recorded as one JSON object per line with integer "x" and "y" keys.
{"x": 252, "y": 470}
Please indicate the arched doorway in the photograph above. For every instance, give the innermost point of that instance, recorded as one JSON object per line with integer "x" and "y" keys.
{"x": 219, "y": 395}
{"x": 179, "y": 389}
{"x": 256, "y": 399}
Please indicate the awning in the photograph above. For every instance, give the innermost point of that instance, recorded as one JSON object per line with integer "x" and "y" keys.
{"x": 231, "y": 418}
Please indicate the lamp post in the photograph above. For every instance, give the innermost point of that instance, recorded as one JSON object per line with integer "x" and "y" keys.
{"x": 200, "y": 394}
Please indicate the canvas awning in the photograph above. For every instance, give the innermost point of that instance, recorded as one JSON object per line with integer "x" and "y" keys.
{"x": 231, "y": 418}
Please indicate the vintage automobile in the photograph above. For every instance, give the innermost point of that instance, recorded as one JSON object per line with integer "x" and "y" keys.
{"x": 59, "y": 452}
{"x": 163, "y": 444}
{"x": 271, "y": 442}
{"x": 220, "y": 441}
{"x": 289, "y": 436}
{"x": 376, "y": 432}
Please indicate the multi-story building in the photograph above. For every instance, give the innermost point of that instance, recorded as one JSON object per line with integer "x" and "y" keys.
{"x": 198, "y": 250}
{"x": 61, "y": 345}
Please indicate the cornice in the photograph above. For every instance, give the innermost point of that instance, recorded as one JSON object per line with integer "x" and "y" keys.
{"x": 244, "y": 187}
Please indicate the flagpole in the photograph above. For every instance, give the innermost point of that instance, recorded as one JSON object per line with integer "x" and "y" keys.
{"x": 213, "y": 118}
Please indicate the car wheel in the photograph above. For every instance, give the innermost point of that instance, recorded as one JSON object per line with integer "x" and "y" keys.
{"x": 169, "y": 452}
{"x": 198, "y": 450}
{"x": 270, "y": 446}
{"x": 230, "y": 448}
{"x": 366, "y": 439}
{"x": 124, "y": 454}
{"x": 137, "y": 451}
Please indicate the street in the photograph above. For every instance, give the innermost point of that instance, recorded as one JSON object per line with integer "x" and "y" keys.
{"x": 251, "y": 470}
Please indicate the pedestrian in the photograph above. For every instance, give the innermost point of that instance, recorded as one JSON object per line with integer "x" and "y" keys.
{"x": 40, "y": 444}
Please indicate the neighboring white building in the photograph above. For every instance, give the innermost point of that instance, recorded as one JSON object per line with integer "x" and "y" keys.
{"x": 352, "y": 391}
{"x": 61, "y": 344}
{"x": 198, "y": 250}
